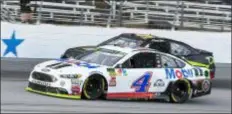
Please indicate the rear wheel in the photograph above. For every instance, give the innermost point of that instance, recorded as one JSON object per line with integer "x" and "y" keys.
{"x": 180, "y": 91}
{"x": 93, "y": 88}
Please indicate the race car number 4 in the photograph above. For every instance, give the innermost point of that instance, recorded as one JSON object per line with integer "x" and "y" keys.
{"x": 41, "y": 82}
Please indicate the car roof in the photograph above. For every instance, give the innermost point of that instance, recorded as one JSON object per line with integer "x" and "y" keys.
{"x": 137, "y": 35}
{"x": 128, "y": 50}
{"x": 152, "y": 38}
{"x": 125, "y": 49}
{"x": 146, "y": 36}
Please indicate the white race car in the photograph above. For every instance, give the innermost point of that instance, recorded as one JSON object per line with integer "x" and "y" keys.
{"x": 112, "y": 72}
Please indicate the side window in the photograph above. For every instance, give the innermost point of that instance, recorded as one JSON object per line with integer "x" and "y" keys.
{"x": 141, "y": 60}
{"x": 178, "y": 49}
{"x": 127, "y": 64}
{"x": 180, "y": 64}
{"x": 169, "y": 62}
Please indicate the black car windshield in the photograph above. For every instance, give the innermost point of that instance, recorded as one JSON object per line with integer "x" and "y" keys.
{"x": 126, "y": 42}
{"x": 103, "y": 57}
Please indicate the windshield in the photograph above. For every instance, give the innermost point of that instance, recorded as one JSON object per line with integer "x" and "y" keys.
{"x": 126, "y": 42}
{"x": 103, "y": 57}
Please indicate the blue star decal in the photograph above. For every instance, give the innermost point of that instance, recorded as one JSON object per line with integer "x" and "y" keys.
{"x": 12, "y": 44}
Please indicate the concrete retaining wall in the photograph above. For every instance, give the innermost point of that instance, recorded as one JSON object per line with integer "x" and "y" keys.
{"x": 50, "y": 41}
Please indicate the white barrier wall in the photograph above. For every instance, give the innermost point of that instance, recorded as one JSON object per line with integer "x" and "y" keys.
{"x": 50, "y": 41}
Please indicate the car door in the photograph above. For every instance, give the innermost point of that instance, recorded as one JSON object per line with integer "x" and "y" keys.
{"x": 137, "y": 77}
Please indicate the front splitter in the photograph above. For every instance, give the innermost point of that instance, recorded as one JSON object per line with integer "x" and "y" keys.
{"x": 54, "y": 94}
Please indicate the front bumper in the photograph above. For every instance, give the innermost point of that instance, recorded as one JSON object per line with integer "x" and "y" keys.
{"x": 51, "y": 91}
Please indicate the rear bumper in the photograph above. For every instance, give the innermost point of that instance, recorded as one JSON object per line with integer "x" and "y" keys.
{"x": 199, "y": 94}
{"x": 198, "y": 91}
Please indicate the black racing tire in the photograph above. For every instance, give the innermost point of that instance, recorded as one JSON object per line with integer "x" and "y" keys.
{"x": 93, "y": 88}
{"x": 180, "y": 91}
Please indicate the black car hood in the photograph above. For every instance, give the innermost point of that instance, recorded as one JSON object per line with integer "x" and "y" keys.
{"x": 77, "y": 51}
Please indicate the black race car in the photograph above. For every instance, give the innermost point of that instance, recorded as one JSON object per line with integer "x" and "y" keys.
{"x": 192, "y": 55}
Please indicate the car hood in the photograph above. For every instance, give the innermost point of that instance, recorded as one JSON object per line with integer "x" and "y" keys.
{"x": 68, "y": 66}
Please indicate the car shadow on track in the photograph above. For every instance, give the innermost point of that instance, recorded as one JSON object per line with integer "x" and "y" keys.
{"x": 157, "y": 101}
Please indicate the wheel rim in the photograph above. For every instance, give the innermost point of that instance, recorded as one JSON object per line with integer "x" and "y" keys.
{"x": 179, "y": 91}
{"x": 93, "y": 88}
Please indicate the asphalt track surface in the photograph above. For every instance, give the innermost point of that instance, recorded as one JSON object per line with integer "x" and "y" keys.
{"x": 15, "y": 99}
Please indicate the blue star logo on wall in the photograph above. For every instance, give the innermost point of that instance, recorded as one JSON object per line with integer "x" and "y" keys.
{"x": 11, "y": 44}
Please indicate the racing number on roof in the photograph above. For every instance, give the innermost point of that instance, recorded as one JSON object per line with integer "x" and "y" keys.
{"x": 142, "y": 84}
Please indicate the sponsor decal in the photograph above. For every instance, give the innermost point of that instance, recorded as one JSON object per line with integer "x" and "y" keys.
{"x": 116, "y": 72}
{"x": 71, "y": 76}
{"x": 75, "y": 90}
{"x": 145, "y": 36}
{"x": 159, "y": 83}
{"x": 111, "y": 72}
{"x": 199, "y": 72}
{"x": 41, "y": 82}
{"x": 113, "y": 82}
{"x": 158, "y": 40}
{"x": 124, "y": 72}
{"x": 206, "y": 73}
{"x": 178, "y": 73}
{"x": 210, "y": 59}
{"x": 76, "y": 82}
{"x": 185, "y": 73}
{"x": 206, "y": 85}
{"x": 87, "y": 65}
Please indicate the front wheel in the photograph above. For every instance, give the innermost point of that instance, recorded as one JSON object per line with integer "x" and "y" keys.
{"x": 180, "y": 91}
{"x": 93, "y": 88}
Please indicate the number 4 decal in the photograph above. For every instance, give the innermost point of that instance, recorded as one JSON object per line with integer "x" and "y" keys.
{"x": 142, "y": 84}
